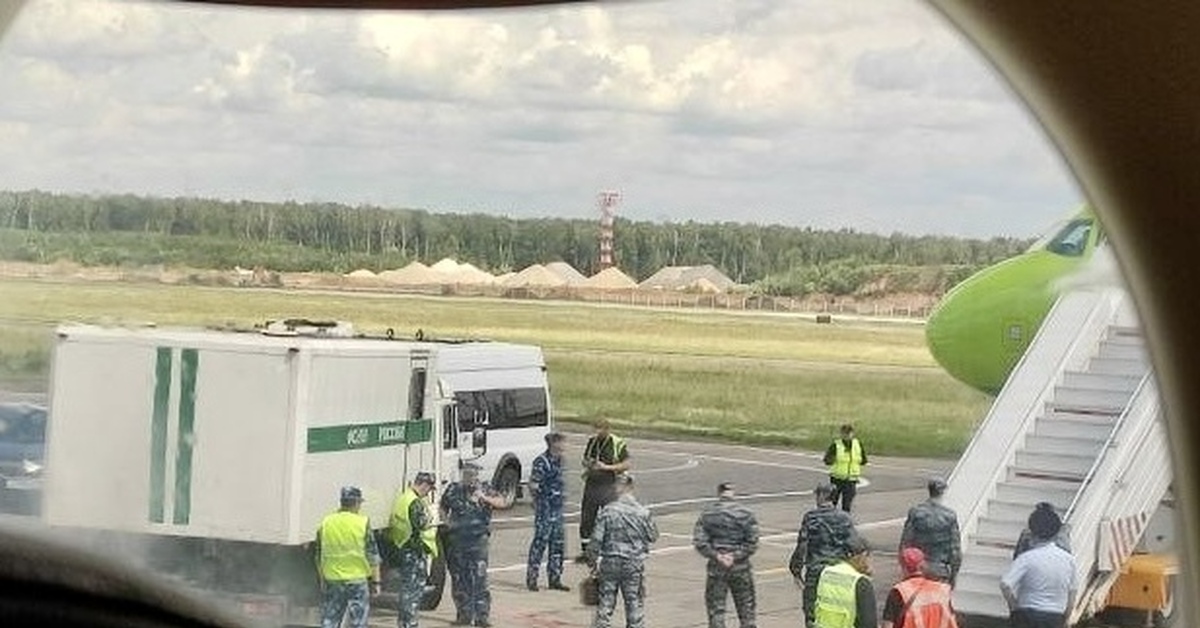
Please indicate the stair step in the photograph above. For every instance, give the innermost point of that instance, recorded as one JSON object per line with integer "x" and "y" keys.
{"x": 1110, "y": 349}
{"x": 1033, "y": 490}
{"x": 1066, "y": 445}
{"x": 1000, "y": 543}
{"x": 982, "y": 583}
{"x": 980, "y": 603}
{"x": 986, "y": 561}
{"x": 1125, "y": 330}
{"x": 1101, "y": 381}
{"x": 999, "y": 529}
{"x": 1117, "y": 366}
{"x": 1064, "y": 466}
{"x": 1125, "y": 337}
{"x": 1095, "y": 400}
{"x": 1014, "y": 510}
{"x": 1071, "y": 425}
{"x": 1094, "y": 410}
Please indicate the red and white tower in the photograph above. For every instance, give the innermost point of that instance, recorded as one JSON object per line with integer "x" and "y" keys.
{"x": 607, "y": 202}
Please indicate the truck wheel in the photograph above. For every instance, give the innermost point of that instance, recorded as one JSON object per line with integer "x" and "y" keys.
{"x": 507, "y": 483}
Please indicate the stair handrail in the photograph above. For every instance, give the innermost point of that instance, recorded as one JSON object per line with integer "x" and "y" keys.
{"x": 1130, "y": 489}
{"x": 1103, "y": 307}
{"x": 1108, "y": 444}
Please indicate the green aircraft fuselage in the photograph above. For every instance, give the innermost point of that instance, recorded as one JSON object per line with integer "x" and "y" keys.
{"x": 980, "y": 329}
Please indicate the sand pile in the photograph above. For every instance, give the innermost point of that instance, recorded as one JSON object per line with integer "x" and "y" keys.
{"x": 535, "y": 276}
{"x": 610, "y": 279}
{"x": 445, "y": 266}
{"x": 415, "y": 274}
{"x": 567, "y": 272}
{"x": 470, "y": 274}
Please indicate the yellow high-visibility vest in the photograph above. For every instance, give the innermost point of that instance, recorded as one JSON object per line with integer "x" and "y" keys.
{"x": 847, "y": 464}
{"x": 343, "y": 537}
{"x": 836, "y": 605}
{"x": 400, "y": 529}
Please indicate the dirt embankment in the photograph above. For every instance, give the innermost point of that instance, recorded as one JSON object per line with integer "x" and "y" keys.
{"x": 603, "y": 289}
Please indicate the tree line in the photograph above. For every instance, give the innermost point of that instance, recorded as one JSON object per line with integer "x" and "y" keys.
{"x": 137, "y": 230}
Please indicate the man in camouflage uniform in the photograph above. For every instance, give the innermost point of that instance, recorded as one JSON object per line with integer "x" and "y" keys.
{"x": 617, "y": 551}
{"x": 932, "y": 527}
{"x": 727, "y": 535}
{"x": 824, "y": 539}
{"x": 348, "y": 563}
{"x": 412, "y": 530}
{"x": 467, "y": 510}
{"x": 548, "y": 488}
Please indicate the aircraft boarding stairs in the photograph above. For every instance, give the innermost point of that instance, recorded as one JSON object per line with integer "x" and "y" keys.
{"x": 1077, "y": 425}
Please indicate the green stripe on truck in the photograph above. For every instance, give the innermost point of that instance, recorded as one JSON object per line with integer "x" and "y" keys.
{"x": 158, "y": 434}
{"x": 368, "y": 435}
{"x": 188, "y": 362}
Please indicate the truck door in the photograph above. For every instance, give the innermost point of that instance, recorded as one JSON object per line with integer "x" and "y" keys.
{"x": 463, "y": 426}
{"x": 471, "y": 424}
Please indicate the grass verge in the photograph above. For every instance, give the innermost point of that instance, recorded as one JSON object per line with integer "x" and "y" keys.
{"x": 762, "y": 379}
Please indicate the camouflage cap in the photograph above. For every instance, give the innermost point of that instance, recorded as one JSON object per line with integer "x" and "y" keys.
{"x": 351, "y": 494}
{"x": 936, "y": 486}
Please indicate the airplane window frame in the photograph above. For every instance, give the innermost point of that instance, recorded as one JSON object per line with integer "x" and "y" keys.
{"x": 1117, "y": 173}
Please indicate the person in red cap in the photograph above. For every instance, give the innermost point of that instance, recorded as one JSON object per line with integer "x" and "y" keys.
{"x": 917, "y": 601}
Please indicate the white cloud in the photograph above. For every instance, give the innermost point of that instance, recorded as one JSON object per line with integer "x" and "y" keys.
{"x": 808, "y": 111}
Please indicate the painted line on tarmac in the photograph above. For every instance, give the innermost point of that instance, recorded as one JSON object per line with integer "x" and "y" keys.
{"x": 785, "y": 452}
{"x": 748, "y": 461}
{"x": 862, "y": 483}
{"x": 676, "y": 549}
{"x": 529, "y": 518}
{"x": 691, "y": 463}
{"x": 766, "y": 463}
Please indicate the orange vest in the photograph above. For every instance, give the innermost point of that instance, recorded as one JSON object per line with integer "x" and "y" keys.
{"x": 925, "y": 603}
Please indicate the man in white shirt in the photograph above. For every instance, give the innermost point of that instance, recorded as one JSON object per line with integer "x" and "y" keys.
{"x": 1040, "y": 585}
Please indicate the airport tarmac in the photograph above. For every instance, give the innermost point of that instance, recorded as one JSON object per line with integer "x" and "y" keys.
{"x": 676, "y": 479}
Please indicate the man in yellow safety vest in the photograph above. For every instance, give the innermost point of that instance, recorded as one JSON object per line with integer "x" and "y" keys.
{"x": 348, "y": 563}
{"x": 413, "y": 532}
{"x": 845, "y": 595}
{"x": 845, "y": 458}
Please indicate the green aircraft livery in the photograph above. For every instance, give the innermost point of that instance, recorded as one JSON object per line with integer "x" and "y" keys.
{"x": 981, "y": 327}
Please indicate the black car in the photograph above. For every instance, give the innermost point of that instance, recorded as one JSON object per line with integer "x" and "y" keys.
{"x": 22, "y": 454}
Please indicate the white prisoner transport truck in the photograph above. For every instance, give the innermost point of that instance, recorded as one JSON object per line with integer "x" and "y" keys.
{"x": 214, "y": 454}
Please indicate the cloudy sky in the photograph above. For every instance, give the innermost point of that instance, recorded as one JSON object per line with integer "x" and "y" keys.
{"x": 825, "y": 113}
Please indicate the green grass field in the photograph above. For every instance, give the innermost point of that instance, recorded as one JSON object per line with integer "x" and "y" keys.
{"x": 745, "y": 377}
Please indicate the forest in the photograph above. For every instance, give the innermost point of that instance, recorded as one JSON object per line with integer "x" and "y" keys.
{"x": 129, "y": 230}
